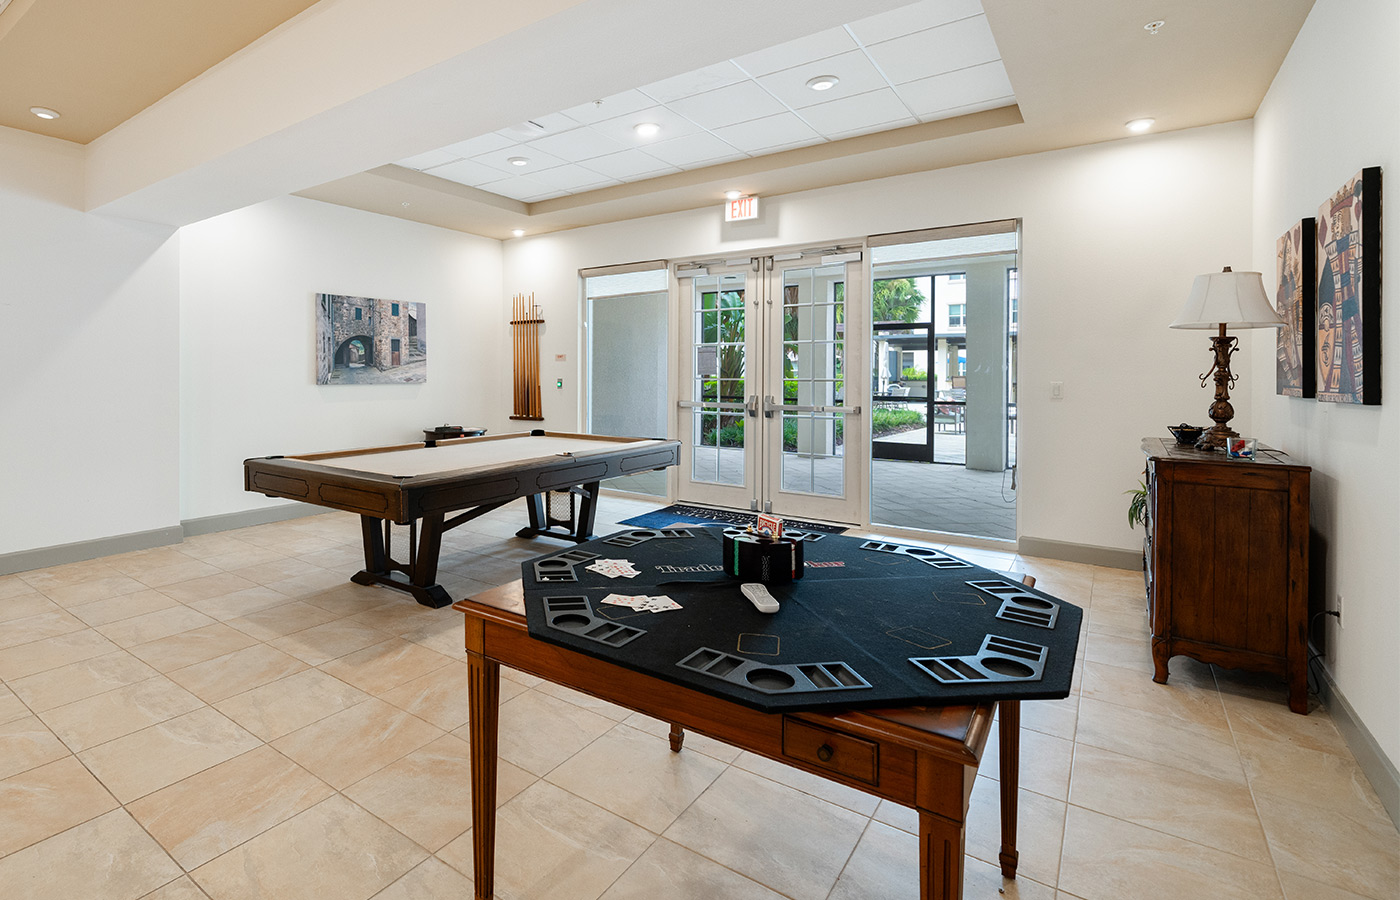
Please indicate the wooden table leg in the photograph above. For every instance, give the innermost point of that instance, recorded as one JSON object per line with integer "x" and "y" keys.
{"x": 1009, "y": 734}
{"x": 944, "y": 792}
{"x": 483, "y": 700}
{"x": 677, "y": 737}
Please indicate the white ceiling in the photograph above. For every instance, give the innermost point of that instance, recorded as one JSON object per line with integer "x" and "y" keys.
{"x": 933, "y": 60}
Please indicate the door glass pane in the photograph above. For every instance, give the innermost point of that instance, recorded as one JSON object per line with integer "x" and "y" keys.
{"x": 718, "y": 432}
{"x": 943, "y": 378}
{"x": 814, "y": 323}
{"x": 627, "y": 363}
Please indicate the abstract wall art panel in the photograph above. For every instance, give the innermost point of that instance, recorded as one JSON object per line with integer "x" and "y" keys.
{"x": 1349, "y": 292}
{"x": 1295, "y": 298}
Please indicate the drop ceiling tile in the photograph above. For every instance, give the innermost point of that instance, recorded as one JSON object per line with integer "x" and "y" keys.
{"x": 465, "y": 171}
{"x": 428, "y": 160}
{"x": 971, "y": 108}
{"x": 693, "y": 150}
{"x": 576, "y": 145}
{"x": 610, "y": 107}
{"x": 573, "y": 178}
{"x": 484, "y": 143}
{"x": 795, "y": 53}
{"x": 858, "y": 75}
{"x": 500, "y": 160}
{"x": 975, "y": 84}
{"x": 673, "y": 125}
{"x": 728, "y": 105}
{"x": 697, "y": 82}
{"x": 629, "y": 165}
{"x": 854, "y": 114}
{"x": 538, "y": 126}
{"x": 909, "y": 19}
{"x": 768, "y": 133}
{"x": 967, "y": 42}
{"x": 872, "y": 129}
{"x": 517, "y": 188}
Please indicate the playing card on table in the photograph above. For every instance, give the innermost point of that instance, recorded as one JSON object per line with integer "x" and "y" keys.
{"x": 634, "y": 601}
{"x": 659, "y": 604}
{"x": 614, "y": 568}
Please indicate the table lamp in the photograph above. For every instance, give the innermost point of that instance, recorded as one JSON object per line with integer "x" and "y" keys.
{"x": 1223, "y": 300}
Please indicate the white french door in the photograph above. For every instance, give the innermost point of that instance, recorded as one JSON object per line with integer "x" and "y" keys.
{"x": 766, "y": 418}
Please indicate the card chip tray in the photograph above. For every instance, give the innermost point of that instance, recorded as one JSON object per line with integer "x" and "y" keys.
{"x": 560, "y": 568}
{"x": 574, "y": 615}
{"x": 926, "y": 555}
{"x": 642, "y": 535}
{"x": 1019, "y": 604}
{"x": 801, "y": 678}
{"x": 1000, "y": 659}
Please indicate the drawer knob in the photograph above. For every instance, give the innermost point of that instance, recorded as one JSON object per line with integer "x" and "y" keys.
{"x": 825, "y": 752}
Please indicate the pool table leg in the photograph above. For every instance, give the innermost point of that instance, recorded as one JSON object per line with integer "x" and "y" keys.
{"x": 483, "y": 700}
{"x": 421, "y": 569}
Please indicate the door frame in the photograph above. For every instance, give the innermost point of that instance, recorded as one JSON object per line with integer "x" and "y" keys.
{"x": 762, "y": 410}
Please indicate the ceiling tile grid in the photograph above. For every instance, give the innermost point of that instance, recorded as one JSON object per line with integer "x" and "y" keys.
{"x": 934, "y": 59}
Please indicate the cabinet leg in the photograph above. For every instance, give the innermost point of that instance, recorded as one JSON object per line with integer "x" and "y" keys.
{"x": 1160, "y": 655}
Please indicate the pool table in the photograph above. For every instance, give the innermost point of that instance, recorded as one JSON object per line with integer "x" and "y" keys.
{"x": 453, "y": 482}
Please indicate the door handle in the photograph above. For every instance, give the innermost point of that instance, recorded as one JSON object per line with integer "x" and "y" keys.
{"x": 769, "y": 406}
{"x": 752, "y": 406}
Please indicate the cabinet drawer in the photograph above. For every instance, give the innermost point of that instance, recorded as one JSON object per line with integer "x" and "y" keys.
{"x": 851, "y": 756}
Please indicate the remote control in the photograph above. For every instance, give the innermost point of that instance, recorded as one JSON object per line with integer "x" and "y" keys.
{"x": 758, "y": 595}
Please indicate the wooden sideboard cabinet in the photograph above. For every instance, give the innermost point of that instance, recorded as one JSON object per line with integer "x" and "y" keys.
{"x": 1227, "y": 561}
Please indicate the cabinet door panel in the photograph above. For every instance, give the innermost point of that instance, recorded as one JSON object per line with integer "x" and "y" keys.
{"x": 1229, "y": 624}
{"x": 1193, "y": 555}
{"x": 1267, "y": 610}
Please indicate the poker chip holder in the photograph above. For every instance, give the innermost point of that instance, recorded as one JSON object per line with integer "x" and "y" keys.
{"x": 1000, "y": 659}
{"x": 575, "y": 615}
{"x": 751, "y": 557}
{"x": 642, "y": 535}
{"x": 797, "y": 678}
{"x": 926, "y": 555}
{"x": 1019, "y": 604}
{"x": 559, "y": 569}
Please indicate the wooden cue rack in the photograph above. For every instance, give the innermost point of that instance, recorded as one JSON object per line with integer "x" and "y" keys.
{"x": 525, "y": 322}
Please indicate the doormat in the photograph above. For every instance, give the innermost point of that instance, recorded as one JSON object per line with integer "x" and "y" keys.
{"x": 701, "y": 515}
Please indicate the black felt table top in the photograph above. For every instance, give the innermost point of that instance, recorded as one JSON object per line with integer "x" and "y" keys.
{"x": 844, "y": 636}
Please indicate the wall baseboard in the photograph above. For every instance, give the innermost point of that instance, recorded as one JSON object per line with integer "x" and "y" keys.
{"x": 1112, "y": 557}
{"x": 248, "y": 518}
{"x": 80, "y": 551}
{"x": 44, "y": 557}
{"x": 1375, "y": 765}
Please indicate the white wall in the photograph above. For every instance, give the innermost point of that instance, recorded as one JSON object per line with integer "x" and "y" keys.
{"x": 88, "y": 328}
{"x": 248, "y": 282}
{"x": 1113, "y": 235}
{"x": 1333, "y": 109}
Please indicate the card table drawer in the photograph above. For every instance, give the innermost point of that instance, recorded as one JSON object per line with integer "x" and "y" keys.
{"x": 851, "y": 756}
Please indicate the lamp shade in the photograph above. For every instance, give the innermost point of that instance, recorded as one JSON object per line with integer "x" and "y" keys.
{"x": 1233, "y": 299}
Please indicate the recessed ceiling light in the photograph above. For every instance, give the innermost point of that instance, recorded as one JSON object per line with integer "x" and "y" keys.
{"x": 1154, "y": 27}
{"x": 733, "y": 195}
{"x": 519, "y": 232}
{"x": 646, "y": 129}
{"x": 518, "y": 161}
{"x": 1138, "y": 125}
{"x": 823, "y": 82}
{"x": 44, "y": 112}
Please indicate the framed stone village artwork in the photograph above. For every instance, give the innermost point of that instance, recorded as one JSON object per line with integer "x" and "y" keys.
{"x": 1349, "y": 292}
{"x": 364, "y": 340}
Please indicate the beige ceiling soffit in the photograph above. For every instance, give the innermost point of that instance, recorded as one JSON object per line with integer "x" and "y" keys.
{"x": 12, "y": 15}
{"x": 817, "y": 153}
{"x": 977, "y": 229}
{"x": 413, "y": 177}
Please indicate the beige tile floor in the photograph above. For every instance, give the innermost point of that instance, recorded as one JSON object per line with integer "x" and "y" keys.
{"x": 229, "y": 718}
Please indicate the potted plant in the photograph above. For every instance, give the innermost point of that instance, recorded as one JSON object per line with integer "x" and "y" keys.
{"x": 916, "y": 380}
{"x": 1137, "y": 506}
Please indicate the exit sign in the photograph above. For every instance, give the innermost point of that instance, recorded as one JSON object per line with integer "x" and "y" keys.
{"x": 743, "y": 208}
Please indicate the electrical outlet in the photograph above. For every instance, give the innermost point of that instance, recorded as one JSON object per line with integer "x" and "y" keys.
{"x": 1339, "y": 610}
{"x": 1057, "y": 390}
